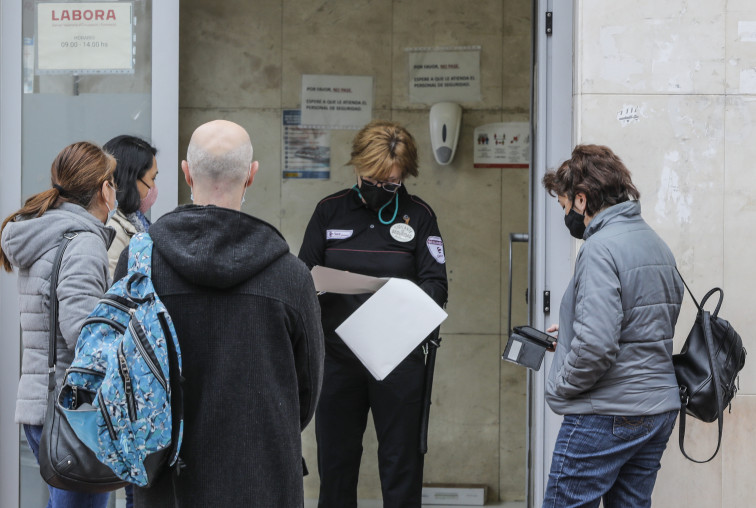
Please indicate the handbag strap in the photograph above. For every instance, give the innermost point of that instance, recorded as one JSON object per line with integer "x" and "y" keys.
{"x": 705, "y": 298}
{"x": 52, "y": 350}
{"x": 706, "y": 324}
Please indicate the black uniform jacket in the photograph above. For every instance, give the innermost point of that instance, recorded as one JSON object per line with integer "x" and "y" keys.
{"x": 344, "y": 234}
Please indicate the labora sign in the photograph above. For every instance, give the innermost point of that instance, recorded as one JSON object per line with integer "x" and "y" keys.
{"x": 85, "y": 37}
{"x": 86, "y": 15}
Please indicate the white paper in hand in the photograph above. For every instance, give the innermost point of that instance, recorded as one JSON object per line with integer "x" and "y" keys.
{"x": 389, "y": 325}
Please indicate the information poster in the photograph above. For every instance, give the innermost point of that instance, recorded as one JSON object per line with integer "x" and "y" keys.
{"x": 502, "y": 145}
{"x": 306, "y": 151}
{"x": 444, "y": 74}
{"x": 336, "y": 102}
{"x": 85, "y": 38}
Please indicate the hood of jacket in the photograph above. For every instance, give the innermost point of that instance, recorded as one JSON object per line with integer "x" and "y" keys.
{"x": 25, "y": 241}
{"x": 216, "y": 247}
{"x": 621, "y": 211}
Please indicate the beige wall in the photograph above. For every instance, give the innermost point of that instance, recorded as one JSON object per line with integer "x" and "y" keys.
{"x": 686, "y": 70}
{"x": 243, "y": 61}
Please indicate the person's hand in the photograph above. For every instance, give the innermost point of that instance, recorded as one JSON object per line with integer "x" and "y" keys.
{"x": 553, "y": 329}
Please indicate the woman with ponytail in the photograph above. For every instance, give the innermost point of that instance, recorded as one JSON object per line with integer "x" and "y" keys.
{"x": 81, "y": 199}
{"x": 134, "y": 176}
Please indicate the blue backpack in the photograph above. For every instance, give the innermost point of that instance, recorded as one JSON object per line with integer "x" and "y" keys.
{"x": 122, "y": 393}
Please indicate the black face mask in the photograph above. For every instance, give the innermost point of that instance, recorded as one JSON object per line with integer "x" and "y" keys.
{"x": 375, "y": 197}
{"x": 574, "y": 222}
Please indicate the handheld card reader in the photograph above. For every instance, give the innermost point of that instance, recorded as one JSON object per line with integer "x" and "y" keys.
{"x": 526, "y": 346}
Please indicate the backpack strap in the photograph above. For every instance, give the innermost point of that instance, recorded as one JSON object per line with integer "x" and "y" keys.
{"x": 52, "y": 347}
{"x": 706, "y": 324}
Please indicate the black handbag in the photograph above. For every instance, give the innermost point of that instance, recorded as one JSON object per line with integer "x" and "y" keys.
{"x": 707, "y": 368}
{"x": 64, "y": 461}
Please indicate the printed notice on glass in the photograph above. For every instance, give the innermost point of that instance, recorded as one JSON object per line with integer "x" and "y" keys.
{"x": 85, "y": 38}
{"x": 444, "y": 74}
{"x": 502, "y": 145}
{"x": 336, "y": 102}
{"x": 306, "y": 151}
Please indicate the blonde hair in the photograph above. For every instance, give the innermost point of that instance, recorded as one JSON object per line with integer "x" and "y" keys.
{"x": 380, "y": 146}
{"x": 76, "y": 175}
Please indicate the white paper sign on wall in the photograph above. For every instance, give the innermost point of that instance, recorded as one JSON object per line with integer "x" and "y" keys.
{"x": 444, "y": 74}
{"x": 336, "y": 102}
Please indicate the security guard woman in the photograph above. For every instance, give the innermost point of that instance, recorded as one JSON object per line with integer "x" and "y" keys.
{"x": 374, "y": 228}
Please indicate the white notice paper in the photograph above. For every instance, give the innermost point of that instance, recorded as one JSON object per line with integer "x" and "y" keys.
{"x": 389, "y": 325}
{"x": 330, "y": 280}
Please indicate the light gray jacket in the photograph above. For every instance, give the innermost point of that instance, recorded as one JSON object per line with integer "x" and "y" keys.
{"x": 31, "y": 246}
{"x": 616, "y": 322}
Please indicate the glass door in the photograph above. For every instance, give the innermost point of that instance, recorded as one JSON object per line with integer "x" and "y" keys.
{"x": 73, "y": 71}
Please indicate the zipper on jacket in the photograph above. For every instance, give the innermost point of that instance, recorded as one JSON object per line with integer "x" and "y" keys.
{"x": 106, "y": 417}
{"x": 107, "y": 321}
{"x": 123, "y": 370}
{"x": 145, "y": 349}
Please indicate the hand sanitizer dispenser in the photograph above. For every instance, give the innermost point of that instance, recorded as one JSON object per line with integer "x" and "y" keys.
{"x": 445, "y": 123}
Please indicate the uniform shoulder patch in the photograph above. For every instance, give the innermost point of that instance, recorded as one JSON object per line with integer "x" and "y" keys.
{"x": 436, "y": 247}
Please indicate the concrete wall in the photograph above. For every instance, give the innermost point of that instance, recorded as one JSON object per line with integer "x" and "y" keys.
{"x": 671, "y": 87}
{"x": 243, "y": 61}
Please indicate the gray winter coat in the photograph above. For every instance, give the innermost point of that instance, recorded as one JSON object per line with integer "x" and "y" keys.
{"x": 616, "y": 322}
{"x": 31, "y": 246}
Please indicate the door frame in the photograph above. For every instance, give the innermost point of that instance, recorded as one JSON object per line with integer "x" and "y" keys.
{"x": 165, "y": 72}
{"x": 551, "y": 247}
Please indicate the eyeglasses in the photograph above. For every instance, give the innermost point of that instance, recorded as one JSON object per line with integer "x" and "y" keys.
{"x": 387, "y": 186}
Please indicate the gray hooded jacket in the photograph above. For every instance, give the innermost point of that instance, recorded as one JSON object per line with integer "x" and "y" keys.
{"x": 31, "y": 246}
{"x": 616, "y": 322}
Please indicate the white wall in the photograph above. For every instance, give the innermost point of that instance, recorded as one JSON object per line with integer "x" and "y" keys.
{"x": 671, "y": 87}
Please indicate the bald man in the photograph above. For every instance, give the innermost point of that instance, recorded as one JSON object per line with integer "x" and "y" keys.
{"x": 248, "y": 323}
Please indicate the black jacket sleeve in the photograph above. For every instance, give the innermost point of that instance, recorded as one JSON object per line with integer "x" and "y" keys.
{"x": 309, "y": 350}
{"x": 430, "y": 261}
{"x": 313, "y": 245}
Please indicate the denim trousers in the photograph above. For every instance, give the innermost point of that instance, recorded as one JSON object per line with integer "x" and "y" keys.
{"x": 60, "y": 498}
{"x": 614, "y": 458}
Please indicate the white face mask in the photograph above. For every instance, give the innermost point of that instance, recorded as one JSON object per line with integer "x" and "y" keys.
{"x": 112, "y": 212}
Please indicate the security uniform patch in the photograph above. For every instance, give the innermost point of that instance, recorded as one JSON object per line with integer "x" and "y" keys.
{"x": 436, "y": 247}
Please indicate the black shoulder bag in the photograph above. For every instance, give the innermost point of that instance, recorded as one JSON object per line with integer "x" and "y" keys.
{"x": 64, "y": 461}
{"x": 707, "y": 368}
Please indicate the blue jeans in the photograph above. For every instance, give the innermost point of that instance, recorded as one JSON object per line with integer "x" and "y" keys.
{"x": 611, "y": 457}
{"x": 60, "y": 498}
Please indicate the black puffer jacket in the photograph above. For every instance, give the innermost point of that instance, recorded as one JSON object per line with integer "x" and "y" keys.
{"x": 248, "y": 323}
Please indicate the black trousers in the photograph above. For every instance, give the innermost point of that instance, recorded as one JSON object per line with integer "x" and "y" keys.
{"x": 349, "y": 391}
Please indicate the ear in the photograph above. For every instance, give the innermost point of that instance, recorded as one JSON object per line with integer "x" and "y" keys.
{"x": 104, "y": 190}
{"x": 581, "y": 200}
{"x": 252, "y": 172}
{"x": 187, "y": 175}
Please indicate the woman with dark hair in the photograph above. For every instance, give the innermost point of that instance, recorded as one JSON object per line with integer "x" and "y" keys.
{"x": 612, "y": 376}
{"x": 80, "y": 200}
{"x": 135, "y": 177}
{"x": 375, "y": 228}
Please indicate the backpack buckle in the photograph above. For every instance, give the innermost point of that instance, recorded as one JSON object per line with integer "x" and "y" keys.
{"x": 684, "y": 398}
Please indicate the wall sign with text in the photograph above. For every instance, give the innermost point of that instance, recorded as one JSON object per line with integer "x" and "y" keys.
{"x": 85, "y": 38}
{"x": 336, "y": 102}
{"x": 444, "y": 74}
